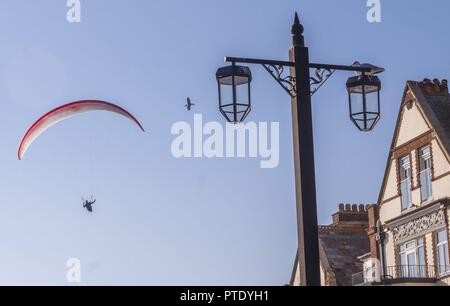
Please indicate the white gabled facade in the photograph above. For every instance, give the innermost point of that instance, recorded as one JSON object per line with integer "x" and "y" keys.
{"x": 409, "y": 228}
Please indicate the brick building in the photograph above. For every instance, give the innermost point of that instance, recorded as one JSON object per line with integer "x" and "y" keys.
{"x": 340, "y": 245}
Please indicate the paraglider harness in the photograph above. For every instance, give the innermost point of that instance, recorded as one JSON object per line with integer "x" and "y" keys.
{"x": 88, "y": 204}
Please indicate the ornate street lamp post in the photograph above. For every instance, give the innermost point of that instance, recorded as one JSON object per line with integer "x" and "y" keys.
{"x": 364, "y": 99}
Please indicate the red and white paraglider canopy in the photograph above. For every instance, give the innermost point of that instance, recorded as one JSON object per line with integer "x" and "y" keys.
{"x": 66, "y": 111}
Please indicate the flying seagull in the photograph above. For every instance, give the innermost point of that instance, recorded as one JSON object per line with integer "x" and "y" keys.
{"x": 189, "y": 104}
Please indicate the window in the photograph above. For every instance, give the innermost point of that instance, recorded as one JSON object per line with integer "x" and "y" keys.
{"x": 425, "y": 173}
{"x": 442, "y": 252}
{"x": 412, "y": 259}
{"x": 405, "y": 181}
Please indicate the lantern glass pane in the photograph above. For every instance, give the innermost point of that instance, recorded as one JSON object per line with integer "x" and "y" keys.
{"x": 357, "y": 104}
{"x": 228, "y": 113}
{"x": 226, "y": 94}
{"x": 226, "y": 80}
{"x": 367, "y": 89}
{"x": 361, "y": 125}
{"x": 241, "y": 80}
{"x": 241, "y": 109}
{"x": 372, "y": 102}
{"x": 242, "y": 94}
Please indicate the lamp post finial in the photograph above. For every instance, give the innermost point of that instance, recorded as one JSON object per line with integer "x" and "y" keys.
{"x": 297, "y": 31}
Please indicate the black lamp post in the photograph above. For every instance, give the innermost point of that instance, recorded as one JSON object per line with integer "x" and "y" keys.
{"x": 235, "y": 104}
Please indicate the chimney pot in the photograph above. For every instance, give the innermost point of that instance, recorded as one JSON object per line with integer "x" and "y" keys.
{"x": 435, "y": 87}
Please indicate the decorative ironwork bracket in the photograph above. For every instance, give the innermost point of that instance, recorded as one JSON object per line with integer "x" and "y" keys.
{"x": 288, "y": 83}
{"x": 321, "y": 76}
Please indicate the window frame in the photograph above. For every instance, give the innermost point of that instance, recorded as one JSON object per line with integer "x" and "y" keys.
{"x": 409, "y": 180}
{"x": 419, "y": 269}
{"x": 421, "y": 164}
{"x": 445, "y": 246}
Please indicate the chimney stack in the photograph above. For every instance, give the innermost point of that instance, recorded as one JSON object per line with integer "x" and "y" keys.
{"x": 351, "y": 215}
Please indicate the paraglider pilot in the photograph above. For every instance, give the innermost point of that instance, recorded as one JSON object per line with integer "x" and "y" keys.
{"x": 88, "y": 204}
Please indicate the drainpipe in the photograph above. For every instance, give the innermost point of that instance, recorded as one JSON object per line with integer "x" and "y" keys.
{"x": 380, "y": 239}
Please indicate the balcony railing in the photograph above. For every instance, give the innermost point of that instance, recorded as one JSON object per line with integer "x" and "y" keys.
{"x": 410, "y": 272}
{"x": 400, "y": 272}
{"x": 359, "y": 279}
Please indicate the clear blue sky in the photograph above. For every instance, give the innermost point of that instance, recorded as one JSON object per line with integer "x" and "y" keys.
{"x": 163, "y": 221}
